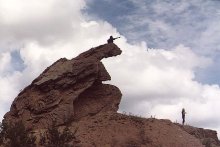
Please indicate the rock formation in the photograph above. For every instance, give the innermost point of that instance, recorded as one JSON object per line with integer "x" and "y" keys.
{"x": 120, "y": 130}
{"x": 68, "y": 89}
{"x": 71, "y": 92}
{"x": 206, "y": 136}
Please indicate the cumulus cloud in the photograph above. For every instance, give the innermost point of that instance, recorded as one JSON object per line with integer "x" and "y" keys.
{"x": 156, "y": 75}
{"x": 165, "y": 24}
{"x": 4, "y": 61}
{"x": 153, "y": 81}
{"x": 40, "y": 33}
{"x": 160, "y": 83}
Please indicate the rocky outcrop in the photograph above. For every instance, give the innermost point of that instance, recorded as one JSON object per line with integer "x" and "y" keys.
{"x": 71, "y": 93}
{"x": 206, "y": 136}
{"x": 120, "y": 130}
{"x": 67, "y": 90}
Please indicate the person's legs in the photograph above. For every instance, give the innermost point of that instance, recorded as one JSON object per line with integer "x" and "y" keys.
{"x": 183, "y": 119}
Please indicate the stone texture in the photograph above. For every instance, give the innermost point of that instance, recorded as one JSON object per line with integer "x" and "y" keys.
{"x": 68, "y": 89}
{"x": 207, "y": 137}
{"x": 119, "y": 130}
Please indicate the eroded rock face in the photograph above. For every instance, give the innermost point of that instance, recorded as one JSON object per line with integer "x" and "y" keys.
{"x": 68, "y": 89}
{"x": 207, "y": 137}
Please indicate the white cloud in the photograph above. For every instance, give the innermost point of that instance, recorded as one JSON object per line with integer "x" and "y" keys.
{"x": 4, "y": 61}
{"x": 42, "y": 32}
{"x": 154, "y": 82}
{"x": 10, "y": 86}
{"x": 164, "y": 24}
{"x": 45, "y": 22}
{"x": 157, "y": 73}
{"x": 161, "y": 82}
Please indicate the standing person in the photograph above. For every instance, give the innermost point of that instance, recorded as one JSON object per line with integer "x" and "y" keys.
{"x": 183, "y": 115}
{"x": 111, "y": 39}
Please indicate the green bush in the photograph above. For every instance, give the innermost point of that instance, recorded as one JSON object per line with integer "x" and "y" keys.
{"x": 55, "y": 138}
{"x": 15, "y": 135}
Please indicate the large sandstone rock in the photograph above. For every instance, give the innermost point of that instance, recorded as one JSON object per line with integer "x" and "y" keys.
{"x": 71, "y": 93}
{"x": 67, "y": 90}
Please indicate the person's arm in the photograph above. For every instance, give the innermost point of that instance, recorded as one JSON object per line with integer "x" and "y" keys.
{"x": 116, "y": 38}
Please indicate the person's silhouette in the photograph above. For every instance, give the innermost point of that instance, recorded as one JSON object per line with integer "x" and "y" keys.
{"x": 183, "y": 115}
{"x": 111, "y": 39}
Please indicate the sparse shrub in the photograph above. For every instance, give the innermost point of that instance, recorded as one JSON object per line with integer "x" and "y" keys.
{"x": 55, "y": 138}
{"x": 136, "y": 118}
{"x": 15, "y": 135}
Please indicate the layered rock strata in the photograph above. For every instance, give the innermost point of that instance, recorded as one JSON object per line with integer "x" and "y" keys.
{"x": 68, "y": 90}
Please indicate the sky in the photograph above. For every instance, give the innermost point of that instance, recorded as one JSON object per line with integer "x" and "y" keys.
{"x": 170, "y": 50}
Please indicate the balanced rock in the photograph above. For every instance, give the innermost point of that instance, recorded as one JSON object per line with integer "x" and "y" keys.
{"x": 67, "y": 90}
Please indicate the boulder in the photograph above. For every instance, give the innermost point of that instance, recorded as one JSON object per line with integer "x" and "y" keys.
{"x": 68, "y": 90}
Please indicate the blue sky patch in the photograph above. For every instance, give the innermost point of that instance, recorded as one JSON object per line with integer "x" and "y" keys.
{"x": 166, "y": 24}
{"x": 17, "y": 62}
